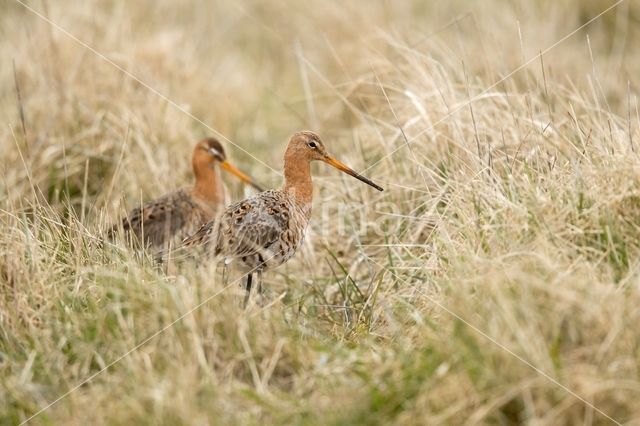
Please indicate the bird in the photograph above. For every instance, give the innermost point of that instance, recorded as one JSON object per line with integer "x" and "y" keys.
{"x": 167, "y": 220}
{"x": 264, "y": 231}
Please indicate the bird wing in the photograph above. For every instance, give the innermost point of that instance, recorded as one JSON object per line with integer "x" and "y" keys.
{"x": 164, "y": 219}
{"x": 245, "y": 228}
{"x": 253, "y": 226}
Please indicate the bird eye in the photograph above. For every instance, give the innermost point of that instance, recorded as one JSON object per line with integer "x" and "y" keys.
{"x": 312, "y": 145}
{"x": 215, "y": 153}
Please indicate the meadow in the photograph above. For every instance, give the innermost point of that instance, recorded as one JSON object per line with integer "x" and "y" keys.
{"x": 496, "y": 280}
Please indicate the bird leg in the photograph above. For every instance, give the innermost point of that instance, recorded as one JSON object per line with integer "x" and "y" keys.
{"x": 225, "y": 273}
{"x": 247, "y": 288}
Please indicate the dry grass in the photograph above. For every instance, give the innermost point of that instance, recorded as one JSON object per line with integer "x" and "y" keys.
{"x": 518, "y": 212}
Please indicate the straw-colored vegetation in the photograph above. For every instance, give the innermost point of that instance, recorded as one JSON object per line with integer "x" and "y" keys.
{"x": 507, "y": 237}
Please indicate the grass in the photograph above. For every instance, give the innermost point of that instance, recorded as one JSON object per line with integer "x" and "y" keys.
{"x": 508, "y": 226}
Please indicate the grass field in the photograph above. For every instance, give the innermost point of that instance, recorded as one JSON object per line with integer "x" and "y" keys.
{"x": 496, "y": 280}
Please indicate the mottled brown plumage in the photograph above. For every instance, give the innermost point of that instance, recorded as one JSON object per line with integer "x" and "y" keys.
{"x": 171, "y": 218}
{"x": 265, "y": 230}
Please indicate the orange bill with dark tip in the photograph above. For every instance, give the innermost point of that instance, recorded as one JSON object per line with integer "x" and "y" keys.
{"x": 243, "y": 176}
{"x": 344, "y": 168}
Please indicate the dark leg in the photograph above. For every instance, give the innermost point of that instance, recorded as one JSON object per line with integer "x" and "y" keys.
{"x": 262, "y": 265}
{"x": 225, "y": 277}
{"x": 260, "y": 281}
{"x": 247, "y": 287}
{"x": 260, "y": 299}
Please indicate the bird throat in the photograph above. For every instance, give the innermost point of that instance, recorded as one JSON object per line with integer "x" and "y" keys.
{"x": 297, "y": 179}
{"x": 208, "y": 186}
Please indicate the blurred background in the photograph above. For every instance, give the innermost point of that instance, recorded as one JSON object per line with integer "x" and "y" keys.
{"x": 256, "y": 73}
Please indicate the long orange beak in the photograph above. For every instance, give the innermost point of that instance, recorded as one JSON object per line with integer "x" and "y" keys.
{"x": 243, "y": 177}
{"x": 344, "y": 168}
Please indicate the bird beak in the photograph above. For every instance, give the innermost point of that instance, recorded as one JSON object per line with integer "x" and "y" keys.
{"x": 344, "y": 168}
{"x": 243, "y": 177}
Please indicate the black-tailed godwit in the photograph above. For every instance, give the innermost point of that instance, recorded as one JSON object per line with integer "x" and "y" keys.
{"x": 265, "y": 230}
{"x": 169, "y": 219}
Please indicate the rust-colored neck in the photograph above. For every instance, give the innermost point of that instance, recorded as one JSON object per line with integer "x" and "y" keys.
{"x": 208, "y": 187}
{"x": 297, "y": 177}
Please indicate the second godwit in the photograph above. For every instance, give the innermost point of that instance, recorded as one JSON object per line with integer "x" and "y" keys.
{"x": 171, "y": 218}
{"x": 265, "y": 230}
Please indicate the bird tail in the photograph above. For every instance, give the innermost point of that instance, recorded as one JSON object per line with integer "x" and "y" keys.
{"x": 122, "y": 225}
{"x": 192, "y": 247}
